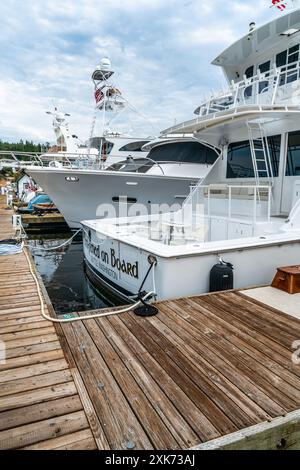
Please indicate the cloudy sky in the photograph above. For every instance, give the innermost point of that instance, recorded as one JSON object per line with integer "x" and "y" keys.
{"x": 161, "y": 51}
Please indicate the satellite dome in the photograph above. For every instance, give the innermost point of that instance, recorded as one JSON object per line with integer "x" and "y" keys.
{"x": 60, "y": 117}
{"x": 105, "y": 64}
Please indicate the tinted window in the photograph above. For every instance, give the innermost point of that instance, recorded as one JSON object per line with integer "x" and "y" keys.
{"x": 189, "y": 152}
{"x": 283, "y": 59}
{"x": 293, "y": 54}
{"x": 132, "y": 165}
{"x": 133, "y": 146}
{"x": 293, "y": 155}
{"x": 99, "y": 142}
{"x": 265, "y": 67}
{"x": 249, "y": 74}
{"x": 239, "y": 160}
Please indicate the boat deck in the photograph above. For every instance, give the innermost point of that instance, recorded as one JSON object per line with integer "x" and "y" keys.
{"x": 203, "y": 368}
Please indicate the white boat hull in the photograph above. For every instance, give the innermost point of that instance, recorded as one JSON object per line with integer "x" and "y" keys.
{"x": 81, "y": 195}
{"x": 122, "y": 267}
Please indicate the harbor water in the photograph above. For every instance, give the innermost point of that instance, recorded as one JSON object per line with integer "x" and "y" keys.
{"x": 63, "y": 274}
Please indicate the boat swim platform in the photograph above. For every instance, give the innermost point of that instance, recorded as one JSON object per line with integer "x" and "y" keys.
{"x": 213, "y": 371}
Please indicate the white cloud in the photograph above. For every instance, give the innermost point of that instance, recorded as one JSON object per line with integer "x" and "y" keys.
{"x": 161, "y": 51}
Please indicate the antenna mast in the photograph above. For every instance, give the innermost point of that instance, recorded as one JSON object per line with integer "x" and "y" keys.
{"x": 108, "y": 98}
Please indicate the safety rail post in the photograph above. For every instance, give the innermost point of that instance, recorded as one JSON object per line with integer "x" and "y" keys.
{"x": 229, "y": 209}
{"x": 275, "y": 88}
{"x": 269, "y": 203}
{"x": 255, "y": 209}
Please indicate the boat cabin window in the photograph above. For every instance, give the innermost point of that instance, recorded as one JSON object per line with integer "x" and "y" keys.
{"x": 264, "y": 68}
{"x": 284, "y": 59}
{"x": 293, "y": 154}
{"x": 107, "y": 148}
{"x": 134, "y": 146}
{"x": 239, "y": 160}
{"x": 249, "y": 72}
{"x": 97, "y": 142}
{"x": 184, "y": 152}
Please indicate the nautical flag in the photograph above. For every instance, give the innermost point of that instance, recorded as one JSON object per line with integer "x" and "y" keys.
{"x": 98, "y": 96}
{"x": 280, "y": 4}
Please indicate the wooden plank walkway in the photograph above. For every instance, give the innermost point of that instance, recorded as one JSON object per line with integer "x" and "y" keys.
{"x": 203, "y": 368}
{"x": 40, "y": 407}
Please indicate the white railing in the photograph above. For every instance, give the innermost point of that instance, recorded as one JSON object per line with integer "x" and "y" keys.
{"x": 263, "y": 89}
{"x": 23, "y": 160}
{"x": 249, "y": 201}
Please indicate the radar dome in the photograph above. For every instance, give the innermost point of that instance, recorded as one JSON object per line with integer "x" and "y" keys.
{"x": 105, "y": 64}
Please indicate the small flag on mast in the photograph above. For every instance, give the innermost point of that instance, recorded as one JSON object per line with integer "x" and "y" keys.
{"x": 280, "y": 4}
{"x": 98, "y": 96}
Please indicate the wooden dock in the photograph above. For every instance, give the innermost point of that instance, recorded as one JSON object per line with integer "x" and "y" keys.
{"x": 204, "y": 368}
{"x": 40, "y": 407}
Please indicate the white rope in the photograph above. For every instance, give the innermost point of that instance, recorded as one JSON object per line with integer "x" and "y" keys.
{"x": 53, "y": 248}
{"x": 80, "y": 318}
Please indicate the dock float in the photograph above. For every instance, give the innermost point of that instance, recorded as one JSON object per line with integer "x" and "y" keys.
{"x": 50, "y": 221}
{"x": 213, "y": 371}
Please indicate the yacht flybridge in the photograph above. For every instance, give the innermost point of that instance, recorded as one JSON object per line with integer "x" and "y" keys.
{"x": 245, "y": 212}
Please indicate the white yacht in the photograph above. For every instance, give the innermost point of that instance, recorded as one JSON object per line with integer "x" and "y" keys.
{"x": 245, "y": 212}
{"x": 124, "y": 173}
{"x": 67, "y": 150}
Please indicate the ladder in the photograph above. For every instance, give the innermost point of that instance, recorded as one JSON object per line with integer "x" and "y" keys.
{"x": 260, "y": 153}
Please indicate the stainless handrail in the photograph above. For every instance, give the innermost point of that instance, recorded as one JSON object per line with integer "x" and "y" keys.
{"x": 235, "y": 95}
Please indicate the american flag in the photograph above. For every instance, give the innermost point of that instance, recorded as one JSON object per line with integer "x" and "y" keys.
{"x": 98, "y": 96}
{"x": 280, "y": 4}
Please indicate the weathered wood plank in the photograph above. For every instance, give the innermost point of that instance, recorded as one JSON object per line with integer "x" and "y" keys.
{"x": 32, "y": 340}
{"x": 39, "y": 412}
{"x": 51, "y": 428}
{"x": 20, "y": 321}
{"x": 120, "y": 423}
{"x": 33, "y": 370}
{"x": 187, "y": 344}
{"x": 20, "y": 309}
{"x": 32, "y": 359}
{"x": 192, "y": 413}
{"x": 37, "y": 396}
{"x": 157, "y": 431}
{"x": 80, "y": 440}
{"x": 165, "y": 408}
{"x": 280, "y": 434}
{"x": 32, "y": 349}
{"x": 224, "y": 364}
{"x": 34, "y": 383}
{"x": 7, "y": 337}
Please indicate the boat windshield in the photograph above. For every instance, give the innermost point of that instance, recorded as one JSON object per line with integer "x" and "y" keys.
{"x": 184, "y": 152}
{"x": 134, "y": 165}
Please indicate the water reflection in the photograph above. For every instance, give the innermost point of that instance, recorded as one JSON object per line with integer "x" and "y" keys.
{"x": 62, "y": 271}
